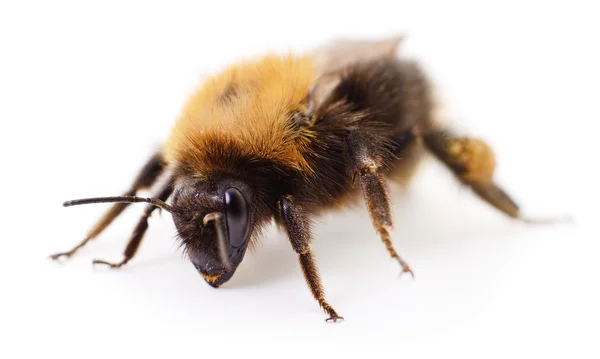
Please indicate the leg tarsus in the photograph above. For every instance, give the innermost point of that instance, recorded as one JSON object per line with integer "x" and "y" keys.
{"x": 139, "y": 231}
{"x": 311, "y": 275}
{"x": 111, "y": 265}
{"x": 106, "y": 219}
{"x": 58, "y": 256}
{"x": 405, "y": 268}
{"x": 387, "y": 241}
{"x": 136, "y": 236}
{"x": 378, "y": 204}
{"x": 334, "y": 318}
{"x": 498, "y": 198}
{"x": 565, "y": 218}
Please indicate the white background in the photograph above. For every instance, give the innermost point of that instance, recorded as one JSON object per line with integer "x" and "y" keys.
{"x": 87, "y": 91}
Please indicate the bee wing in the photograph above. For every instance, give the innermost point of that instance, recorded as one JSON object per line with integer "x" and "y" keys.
{"x": 335, "y": 57}
{"x": 338, "y": 54}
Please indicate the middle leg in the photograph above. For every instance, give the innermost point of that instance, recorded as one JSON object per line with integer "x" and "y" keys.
{"x": 373, "y": 186}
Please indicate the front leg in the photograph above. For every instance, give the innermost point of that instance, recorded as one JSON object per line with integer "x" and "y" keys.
{"x": 148, "y": 175}
{"x": 373, "y": 186}
{"x": 297, "y": 226}
{"x": 140, "y": 230}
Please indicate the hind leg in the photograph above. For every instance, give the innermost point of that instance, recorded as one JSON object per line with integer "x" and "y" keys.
{"x": 473, "y": 163}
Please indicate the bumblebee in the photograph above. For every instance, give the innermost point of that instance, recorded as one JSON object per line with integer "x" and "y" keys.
{"x": 286, "y": 137}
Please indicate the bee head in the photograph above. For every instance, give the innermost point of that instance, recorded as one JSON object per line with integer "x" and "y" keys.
{"x": 214, "y": 221}
{"x": 215, "y": 218}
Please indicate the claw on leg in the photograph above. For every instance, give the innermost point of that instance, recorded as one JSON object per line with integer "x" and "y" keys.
{"x": 70, "y": 253}
{"x": 405, "y": 267}
{"x": 385, "y": 237}
{"x": 565, "y": 218}
{"x": 57, "y": 256}
{"x": 111, "y": 265}
{"x": 334, "y": 318}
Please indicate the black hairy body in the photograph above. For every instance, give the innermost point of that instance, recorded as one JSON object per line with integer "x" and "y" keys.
{"x": 376, "y": 105}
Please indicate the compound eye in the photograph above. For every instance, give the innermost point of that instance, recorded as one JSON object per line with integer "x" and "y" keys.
{"x": 236, "y": 217}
